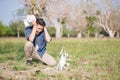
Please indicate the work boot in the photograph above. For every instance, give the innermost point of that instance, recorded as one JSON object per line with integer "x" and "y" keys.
{"x": 28, "y": 62}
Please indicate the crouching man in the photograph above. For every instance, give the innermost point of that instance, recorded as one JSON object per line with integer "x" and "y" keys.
{"x": 37, "y": 37}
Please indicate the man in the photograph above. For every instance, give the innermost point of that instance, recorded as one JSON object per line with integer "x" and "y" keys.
{"x": 37, "y": 37}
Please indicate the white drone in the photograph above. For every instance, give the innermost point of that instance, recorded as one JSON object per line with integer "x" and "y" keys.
{"x": 28, "y": 20}
{"x": 63, "y": 60}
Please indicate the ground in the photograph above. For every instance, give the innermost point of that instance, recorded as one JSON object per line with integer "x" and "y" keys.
{"x": 89, "y": 59}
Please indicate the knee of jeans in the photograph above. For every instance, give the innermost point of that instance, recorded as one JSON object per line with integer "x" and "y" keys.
{"x": 53, "y": 63}
{"x": 28, "y": 44}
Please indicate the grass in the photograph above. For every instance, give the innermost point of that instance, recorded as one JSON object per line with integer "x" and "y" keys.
{"x": 92, "y": 59}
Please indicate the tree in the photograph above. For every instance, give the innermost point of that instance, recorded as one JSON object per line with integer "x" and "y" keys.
{"x": 89, "y": 10}
{"x": 2, "y": 29}
{"x": 91, "y": 29}
{"x": 16, "y": 28}
{"x": 74, "y": 13}
{"x": 55, "y": 11}
{"x": 69, "y": 11}
{"x": 36, "y": 7}
{"x": 77, "y": 13}
{"x": 75, "y": 16}
{"x": 109, "y": 17}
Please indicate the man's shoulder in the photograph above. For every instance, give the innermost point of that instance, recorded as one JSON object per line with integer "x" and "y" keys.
{"x": 29, "y": 27}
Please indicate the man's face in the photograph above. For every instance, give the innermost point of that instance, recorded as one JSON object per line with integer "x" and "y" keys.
{"x": 39, "y": 29}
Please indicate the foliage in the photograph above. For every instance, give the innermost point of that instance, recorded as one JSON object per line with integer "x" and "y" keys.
{"x": 12, "y": 29}
{"x": 91, "y": 19}
{"x": 51, "y": 31}
{"x": 65, "y": 33}
{"x": 69, "y": 33}
{"x": 2, "y": 30}
{"x": 91, "y": 29}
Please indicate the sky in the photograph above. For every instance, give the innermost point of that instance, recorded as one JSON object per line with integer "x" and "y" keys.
{"x": 7, "y": 8}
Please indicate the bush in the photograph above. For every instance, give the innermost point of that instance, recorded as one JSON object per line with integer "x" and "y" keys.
{"x": 51, "y": 31}
{"x": 68, "y": 33}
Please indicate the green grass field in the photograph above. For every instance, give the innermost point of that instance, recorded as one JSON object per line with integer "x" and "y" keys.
{"x": 92, "y": 59}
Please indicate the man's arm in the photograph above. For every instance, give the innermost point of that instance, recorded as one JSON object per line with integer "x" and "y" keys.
{"x": 31, "y": 19}
{"x": 47, "y": 36}
{"x": 33, "y": 33}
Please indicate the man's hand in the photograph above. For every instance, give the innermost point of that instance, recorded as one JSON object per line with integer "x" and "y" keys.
{"x": 47, "y": 36}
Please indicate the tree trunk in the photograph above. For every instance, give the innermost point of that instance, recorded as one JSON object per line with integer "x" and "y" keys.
{"x": 79, "y": 35}
{"x": 88, "y": 34}
{"x": 96, "y": 35}
{"x": 56, "y": 23}
{"x": 111, "y": 33}
{"x": 68, "y": 35}
{"x": 18, "y": 32}
{"x": 58, "y": 32}
{"x": 118, "y": 35}
{"x": 58, "y": 27}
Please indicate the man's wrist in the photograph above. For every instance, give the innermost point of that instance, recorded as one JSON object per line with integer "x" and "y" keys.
{"x": 33, "y": 23}
{"x": 34, "y": 28}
